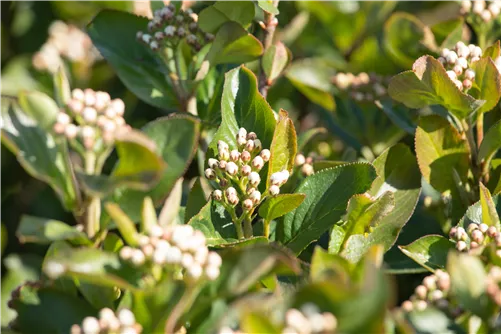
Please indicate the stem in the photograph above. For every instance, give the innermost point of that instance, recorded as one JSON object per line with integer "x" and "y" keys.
{"x": 266, "y": 225}
{"x": 248, "y": 232}
{"x": 471, "y": 142}
{"x": 178, "y": 310}
{"x": 235, "y": 220}
{"x": 480, "y": 129}
{"x": 93, "y": 211}
{"x": 191, "y": 105}
{"x": 270, "y": 24}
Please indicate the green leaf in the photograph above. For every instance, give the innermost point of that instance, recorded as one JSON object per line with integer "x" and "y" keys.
{"x": 475, "y": 214}
{"x": 491, "y": 143}
{"x": 39, "y": 107}
{"x": 305, "y": 137}
{"x": 280, "y": 205}
{"x": 433, "y": 320}
{"x": 398, "y": 173}
{"x": 487, "y": 84}
{"x": 327, "y": 193}
{"x": 267, "y": 5}
{"x": 429, "y": 251}
{"x": 493, "y": 51}
{"x": 36, "y": 308}
{"x": 98, "y": 296}
{"x": 45, "y": 231}
{"x": 176, "y": 139}
{"x": 428, "y": 84}
{"x": 258, "y": 323}
{"x": 114, "y": 35}
{"x": 44, "y": 157}
{"x": 490, "y": 216}
{"x": 172, "y": 205}
{"x": 233, "y": 44}
{"x": 327, "y": 266}
{"x": 212, "y": 18}
{"x": 275, "y": 59}
{"x": 468, "y": 283}
{"x": 62, "y": 90}
{"x": 447, "y": 33}
{"x": 95, "y": 266}
{"x": 313, "y": 79}
{"x": 125, "y": 225}
{"x": 196, "y": 200}
{"x": 406, "y": 38}
{"x": 243, "y": 106}
{"x": 283, "y": 147}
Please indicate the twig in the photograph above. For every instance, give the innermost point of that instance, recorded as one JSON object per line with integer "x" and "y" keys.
{"x": 269, "y": 26}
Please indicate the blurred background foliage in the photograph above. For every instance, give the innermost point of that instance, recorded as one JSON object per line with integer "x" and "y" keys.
{"x": 324, "y": 38}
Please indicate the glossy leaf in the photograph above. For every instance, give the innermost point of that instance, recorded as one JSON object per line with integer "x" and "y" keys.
{"x": 430, "y": 251}
{"x": 489, "y": 213}
{"x": 283, "y": 146}
{"x": 114, "y": 35}
{"x": 275, "y": 59}
{"x": 233, "y": 44}
{"x": 176, "y": 139}
{"x": 312, "y": 78}
{"x": 45, "y": 231}
{"x": 428, "y": 84}
{"x": 491, "y": 143}
{"x": 40, "y": 154}
{"x": 487, "y": 84}
{"x": 475, "y": 214}
{"x": 212, "y": 18}
{"x": 327, "y": 193}
{"x": 398, "y": 173}
{"x": 280, "y": 205}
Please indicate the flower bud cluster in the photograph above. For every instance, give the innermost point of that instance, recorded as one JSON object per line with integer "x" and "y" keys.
{"x": 475, "y": 236}
{"x": 308, "y": 319}
{"x": 65, "y": 41}
{"x": 434, "y": 290}
{"x": 108, "y": 322}
{"x": 361, "y": 87}
{"x": 492, "y": 284}
{"x": 457, "y": 63}
{"x": 486, "y": 11}
{"x": 305, "y": 164}
{"x": 176, "y": 245}
{"x": 169, "y": 26}
{"x": 91, "y": 116}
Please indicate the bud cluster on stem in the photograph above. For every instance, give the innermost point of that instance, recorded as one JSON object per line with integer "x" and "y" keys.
{"x": 123, "y": 322}
{"x": 178, "y": 247}
{"x": 475, "y": 237}
{"x": 305, "y": 164}
{"x": 362, "y": 86}
{"x": 486, "y": 11}
{"x": 170, "y": 26}
{"x": 457, "y": 63}
{"x": 236, "y": 173}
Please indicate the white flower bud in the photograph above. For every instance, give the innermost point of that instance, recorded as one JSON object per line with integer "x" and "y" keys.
{"x": 170, "y": 31}
{"x": 231, "y": 168}
{"x": 249, "y": 145}
{"x": 222, "y": 145}
{"x": 78, "y": 95}
{"x": 477, "y": 52}
{"x": 478, "y": 6}
{"x": 212, "y": 272}
{"x": 245, "y": 156}
{"x": 187, "y": 260}
{"x": 486, "y": 15}
{"x": 483, "y": 227}
{"x": 213, "y": 163}
{"x": 222, "y": 165}
{"x": 436, "y": 295}
{"x": 156, "y": 231}
{"x": 444, "y": 52}
{"x": 421, "y": 305}
{"x": 242, "y": 133}
{"x": 248, "y": 204}
{"x": 421, "y": 292}
{"x": 458, "y": 84}
{"x": 274, "y": 190}
{"x": 451, "y": 57}
{"x": 195, "y": 271}
{"x": 494, "y": 8}
{"x": 160, "y": 256}
{"x": 201, "y": 255}
{"x": 251, "y": 136}
{"x": 307, "y": 170}
{"x": 258, "y": 162}
{"x": 148, "y": 250}
{"x": 472, "y": 227}
{"x": 224, "y": 155}
{"x": 254, "y": 179}
{"x": 174, "y": 255}
{"x": 469, "y": 74}
{"x": 452, "y": 75}
{"x": 246, "y": 170}
{"x": 210, "y": 174}
{"x": 90, "y": 325}
{"x": 76, "y": 106}
{"x": 181, "y": 233}
{"x": 88, "y": 132}
{"x": 265, "y": 155}
{"x": 300, "y": 160}
{"x": 458, "y": 70}
{"x": 461, "y": 245}
{"x": 89, "y": 97}
{"x": 467, "y": 84}
{"x": 89, "y": 115}
{"x": 71, "y": 131}
{"x": 217, "y": 195}
{"x": 126, "y": 253}
{"x": 159, "y": 35}
{"x": 462, "y": 62}
{"x": 477, "y": 236}
{"x": 461, "y": 233}
{"x": 430, "y": 282}
{"x": 492, "y": 231}
{"x": 154, "y": 46}
{"x": 233, "y": 199}
{"x": 241, "y": 141}
{"x": 106, "y": 314}
{"x": 119, "y": 106}
{"x": 126, "y": 317}
{"x": 255, "y": 196}
{"x": 257, "y": 144}
{"x": 54, "y": 269}
{"x": 234, "y": 155}
{"x": 138, "y": 257}
{"x": 231, "y": 192}
{"x": 63, "y": 118}
{"x": 214, "y": 259}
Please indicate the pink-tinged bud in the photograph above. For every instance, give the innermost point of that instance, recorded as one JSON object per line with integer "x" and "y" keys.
{"x": 474, "y": 245}
{"x": 231, "y": 168}
{"x": 255, "y": 196}
{"x": 222, "y": 164}
{"x": 210, "y": 174}
{"x": 88, "y": 132}
{"x": 90, "y": 97}
{"x": 477, "y": 236}
{"x": 436, "y": 295}
{"x": 453, "y": 233}
{"x": 483, "y": 227}
{"x": 462, "y": 62}
{"x": 430, "y": 282}
{"x": 233, "y": 200}
{"x": 242, "y": 133}
{"x": 421, "y": 292}
{"x": 248, "y": 204}
{"x": 138, "y": 258}
{"x": 224, "y": 155}
{"x": 458, "y": 84}
{"x": 461, "y": 246}
{"x": 110, "y": 112}
{"x": 89, "y": 115}
{"x": 258, "y": 162}
{"x": 245, "y": 156}
{"x": 257, "y": 144}
{"x": 452, "y": 75}
{"x": 76, "y": 106}
{"x": 472, "y": 227}
{"x": 492, "y": 232}
{"x": 421, "y": 305}
{"x": 254, "y": 179}
{"x": 467, "y": 84}
{"x": 63, "y": 118}
{"x": 265, "y": 155}
{"x": 274, "y": 190}
{"x": 223, "y": 182}
{"x": 300, "y": 160}
{"x": 213, "y": 163}
{"x": 71, "y": 131}
{"x": 217, "y": 195}
{"x": 231, "y": 192}
{"x": 222, "y": 145}
{"x": 458, "y": 70}
{"x": 451, "y": 57}
{"x": 469, "y": 74}
{"x": 90, "y": 325}
{"x": 234, "y": 155}
{"x": 307, "y": 170}
{"x": 78, "y": 94}
{"x": 407, "y": 306}
{"x": 246, "y": 170}
{"x": 212, "y": 273}
{"x": 249, "y": 146}
{"x": 251, "y": 136}
{"x": 461, "y": 234}
{"x": 486, "y": 16}
{"x": 109, "y": 126}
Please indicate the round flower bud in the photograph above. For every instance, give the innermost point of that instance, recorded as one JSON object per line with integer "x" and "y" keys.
{"x": 148, "y": 250}
{"x": 187, "y": 260}
{"x": 210, "y": 174}
{"x": 486, "y": 15}
{"x": 249, "y": 145}
{"x": 138, "y": 257}
{"x": 444, "y": 52}
{"x": 231, "y": 192}
{"x": 139, "y": 35}
{"x": 257, "y": 144}
{"x": 195, "y": 271}
{"x": 472, "y": 227}
{"x": 78, "y": 94}
{"x": 492, "y": 231}
{"x": 71, "y": 131}
{"x": 248, "y": 204}
{"x": 76, "y": 106}
{"x": 276, "y": 178}
{"x": 458, "y": 84}
{"x": 159, "y": 35}
{"x": 213, "y": 163}
{"x": 421, "y": 305}
{"x": 217, "y": 195}
{"x": 254, "y": 179}
{"x": 174, "y": 255}
{"x": 469, "y": 74}
{"x": 467, "y": 84}
{"x": 246, "y": 170}
{"x": 462, "y": 62}
{"x": 242, "y": 133}
{"x": 89, "y": 114}
{"x": 223, "y": 182}
{"x": 214, "y": 259}
{"x": 107, "y": 315}
{"x": 212, "y": 273}
{"x": 222, "y": 164}
{"x": 241, "y": 141}
{"x": 274, "y": 190}
{"x": 407, "y": 306}
{"x": 494, "y": 8}
{"x": 224, "y": 155}
{"x": 222, "y": 145}
{"x": 88, "y": 132}
{"x": 458, "y": 70}
{"x": 119, "y": 106}
{"x": 453, "y": 233}
{"x": 474, "y": 245}
{"x": 421, "y": 292}
{"x": 478, "y": 6}
{"x": 63, "y": 118}
{"x": 300, "y": 160}
{"x": 126, "y": 253}
{"x": 430, "y": 282}
{"x": 452, "y": 75}
{"x": 461, "y": 233}
{"x": 234, "y": 155}
{"x": 201, "y": 255}
{"x": 231, "y": 168}
{"x": 251, "y": 136}
{"x": 179, "y": 18}
{"x": 258, "y": 162}
{"x": 483, "y": 227}
{"x": 307, "y": 170}
{"x": 436, "y": 295}
{"x": 154, "y": 46}
{"x": 477, "y": 236}
{"x": 265, "y": 154}
{"x": 54, "y": 269}
{"x": 233, "y": 199}
{"x": 477, "y": 52}
{"x": 255, "y": 196}
{"x": 90, "y": 325}
{"x": 181, "y": 32}
{"x": 126, "y": 317}
{"x": 451, "y": 57}
{"x": 461, "y": 245}
{"x": 245, "y": 156}
{"x": 209, "y": 37}
{"x": 170, "y": 31}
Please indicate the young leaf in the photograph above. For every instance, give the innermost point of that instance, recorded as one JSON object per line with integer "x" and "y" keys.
{"x": 45, "y": 231}
{"x": 125, "y": 225}
{"x": 258, "y": 323}
{"x": 275, "y": 59}
{"x": 212, "y": 18}
{"x": 62, "y": 90}
{"x": 233, "y": 44}
{"x": 171, "y": 205}
{"x": 280, "y": 205}
{"x": 491, "y": 143}
{"x": 39, "y": 107}
{"x": 493, "y": 51}
{"x": 114, "y": 35}
{"x": 327, "y": 193}
{"x": 487, "y": 84}
{"x": 283, "y": 147}
{"x": 428, "y": 84}
{"x": 398, "y": 173}
{"x": 430, "y": 251}
{"x": 197, "y": 198}
{"x": 326, "y": 266}
{"x": 475, "y": 213}
{"x": 489, "y": 214}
